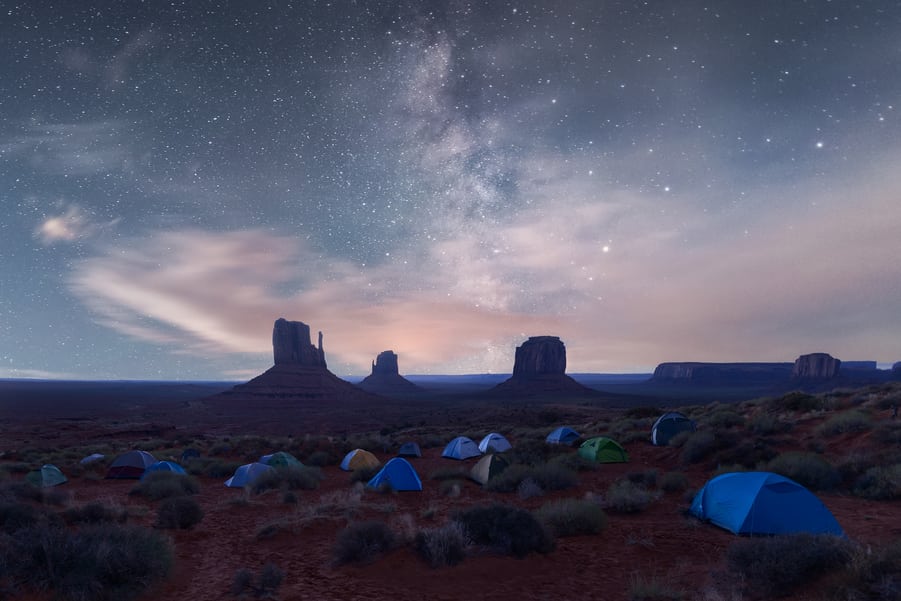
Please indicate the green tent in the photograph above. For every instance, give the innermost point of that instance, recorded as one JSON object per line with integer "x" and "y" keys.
{"x": 487, "y": 468}
{"x": 48, "y": 475}
{"x": 603, "y": 450}
{"x": 280, "y": 459}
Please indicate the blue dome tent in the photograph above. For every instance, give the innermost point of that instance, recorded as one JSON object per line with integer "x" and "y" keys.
{"x": 398, "y": 474}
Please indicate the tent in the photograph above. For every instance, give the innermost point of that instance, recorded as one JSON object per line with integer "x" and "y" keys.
{"x": 92, "y": 458}
{"x": 409, "y": 449}
{"x": 562, "y": 435}
{"x": 603, "y": 450}
{"x": 130, "y": 465}
{"x": 487, "y": 468}
{"x": 398, "y": 474}
{"x": 495, "y": 442}
{"x": 762, "y": 503}
{"x": 246, "y": 474}
{"x": 164, "y": 466}
{"x": 48, "y": 475}
{"x": 668, "y": 425}
{"x": 461, "y": 448}
{"x": 359, "y": 459}
{"x": 280, "y": 459}
{"x": 189, "y": 454}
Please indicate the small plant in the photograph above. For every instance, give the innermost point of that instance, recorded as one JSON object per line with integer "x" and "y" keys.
{"x": 673, "y": 482}
{"x": 528, "y": 489}
{"x": 572, "y": 517}
{"x": 764, "y": 424}
{"x": 883, "y": 483}
{"x": 163, "y": 485}
{"x": 697, "y": 445}
{"x": 95, "y": 513}
{"x": 441, "y": 546}
{"x": 505, "y": 529}
{"x": 264, "y": 585}
{"x": 724, "y": 418}
{"x": 847, "y": 421}
{"x": 362, "y": 542}
{"x": 179, "y": 513}
{"x": 625, "y": 496}
{"x": 780, "y": 564}
{"x": 808, "y": 469}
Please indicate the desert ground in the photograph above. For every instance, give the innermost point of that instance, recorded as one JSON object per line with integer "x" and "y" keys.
{"x": 648, "y": 548}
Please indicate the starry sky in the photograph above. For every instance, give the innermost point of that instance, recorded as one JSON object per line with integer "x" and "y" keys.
{"x": 650, "y": 181}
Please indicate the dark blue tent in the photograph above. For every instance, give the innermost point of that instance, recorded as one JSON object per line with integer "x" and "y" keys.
{"x": 164, "y": 466}
{"x": 398, "y": 474}
{"x": 762, "y": 503}
{"x": 562, "y": 435}
{"x": 668, "y": 425}
{"x": 409, "y": 449}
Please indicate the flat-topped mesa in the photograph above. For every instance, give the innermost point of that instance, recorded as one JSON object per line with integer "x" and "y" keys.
{"x": 291, "y": 345}
{"x": 385, "y": 377}
{"x": 816, "y": 366}
{"x": 385, "y": 364}
{"x": 540, "y": 355}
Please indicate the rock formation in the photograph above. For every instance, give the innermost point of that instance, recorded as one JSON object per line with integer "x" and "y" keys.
{"x": 816, "y": 366}
{"x": 385, "y": 377}
{"x": 299, "y": 374}
{"x": 539, "y": 368}
{"x": 721, "y": 373}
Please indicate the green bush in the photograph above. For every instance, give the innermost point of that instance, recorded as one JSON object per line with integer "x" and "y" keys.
{"x": 99, "y": 562}
{"x": 179, "y": 513}
{"x": 808, "y": 469}
{"x": 572, "y": 517}
{"x": 776, "y": 566}
{"x": 164, "y": 485}
{"x": 883, "y": 483}
{"x": 847, "y": 421}
{"x": 362, "y": 542}
{"x": 625, "y": 496}
{"x": 295, "y": 477}
{"x": 647, "y": 478}
{"x": 673, "y": 482}
{"x": 442, "y": 546}
{"x": 505, "y": 529}
{"x": 574, "y": 462}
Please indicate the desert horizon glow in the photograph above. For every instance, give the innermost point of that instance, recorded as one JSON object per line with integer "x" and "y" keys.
{"x": 446, "y": 180}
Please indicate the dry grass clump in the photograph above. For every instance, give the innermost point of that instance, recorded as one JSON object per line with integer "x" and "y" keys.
{"x": 572, "y": 517}
{"x": 847, "y": 421}
{"x": 179, "y": 513}
{"x": 673, "y": 482}
{"x": 652, "y": 588}
{"x": 442, "y": 546}
{"x": 776, "y": 566}
{"x": 363, "y": 542}
{"x": 808, "y": 469}
{"x": 264, "y": 585}
{"x": 505, "y": 529}
{"x": 882, "y": 483}
{"x": 164, "y": 485}
{"x": 293, "y": 477}
{"x": 625, "y": 496}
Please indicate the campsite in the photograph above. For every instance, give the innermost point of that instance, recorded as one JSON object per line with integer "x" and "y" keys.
{"x": 293, "y": 532}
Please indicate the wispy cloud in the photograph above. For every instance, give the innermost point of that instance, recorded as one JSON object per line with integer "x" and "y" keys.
{"x": 72, "y": 149}
{"x": 70, "y": 225}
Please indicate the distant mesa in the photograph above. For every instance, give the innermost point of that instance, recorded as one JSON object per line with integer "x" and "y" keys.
{"x": 385, "y": 377}
{"x": 539, "y": 368}
{"x": 721, "y": 373}
{"x": 816, "y": 366}
{"x": 299, "y": 373}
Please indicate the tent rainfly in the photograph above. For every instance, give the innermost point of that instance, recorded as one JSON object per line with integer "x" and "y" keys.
{"x": 165, "y": 466}
{"x": 280, "y": 459}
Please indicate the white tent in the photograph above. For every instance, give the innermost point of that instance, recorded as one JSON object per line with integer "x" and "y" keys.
{"x": 246, "y": 474}
{"x": 496, "y": 442}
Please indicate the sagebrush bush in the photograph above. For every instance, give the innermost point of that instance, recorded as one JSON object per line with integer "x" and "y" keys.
{"x": 294, "y": 477}
{"x": 697, "y": 445}
{"x": 872, "y": 573}
{"x": 505, "y": 529}
{"x": 362, "y": 542}
{"x": 647, "y": 478}
{"x": 163, "y": 485}
{"x": 218, "y": 469}
{"x": 882, "y": 483}
{"x": 775, "y": 566}
{"x": 796, "y": 401}
{"x": 652, "y": 588}
{"x": 179, "y": 513}
{"x": 321, "y": 459}
{"x": 528, "y": 489}
{"x": 847, "y": 421}
{"x": 554, "y": 476}
{"x": 724, "y": 418}
{"x": 264, "y": 585}
{"x": 627, "y": 497}
{"x": 673, "y": 482}
{"x": 764, "y": 423}
{"x": 572, "y": 517}
{"x": 442, "y": 546}
{"x": 808, "y": 469}
{"x": 95, "y": 513}
{"x": 509, "y": 479}
{"x": 364, "y": 474}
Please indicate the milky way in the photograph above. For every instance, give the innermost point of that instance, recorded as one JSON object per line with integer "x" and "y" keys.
{"x": 649, "y": 181}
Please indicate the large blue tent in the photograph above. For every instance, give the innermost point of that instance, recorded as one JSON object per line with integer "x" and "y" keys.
{"x": 562, "y": 435}
{"x": 762, "y": 503}
{"x": 398, "y": 474}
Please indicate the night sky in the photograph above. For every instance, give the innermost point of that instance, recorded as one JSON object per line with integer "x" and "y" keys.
{"x": 650, "y": 181}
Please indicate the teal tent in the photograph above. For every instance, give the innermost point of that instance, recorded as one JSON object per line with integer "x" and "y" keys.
{"x": 398, "y": 474}
{"x": 762, "y": 503}
{"x": 48, "y": 475}
{"x": 280, "y": 459}
{"x": 562, "y": 435}
{"x": 668, "y": 425}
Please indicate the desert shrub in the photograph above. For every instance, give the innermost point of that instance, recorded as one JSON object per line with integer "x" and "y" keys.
{"x": 15, "y": 516}
{"x": 95, "y": 513}
{"x": 765, "y": 423}
{"x": 746, "y": 453}
{"x": 450, "y": 488}
{"x": 295, "y": 477}
{"x": 321, "y": 459}
{"x": 509, "y": 479}
{"x": 652, "y": 588}
{"x": 528, "y": 489}
{"x": 220, "y": 469}
{"x": 883, "y": 483}
{"x": 796, "y": 401}
{"x": 572, "y": 517}
{"x": 647, "y": 478}
{"x": 724, "y": 418}
{"x": 364, "y": 474}
{"x": 442, "y": 546}
{"x": 179, "y": 513}
{"x": 673, "y": 482}
{"x": 775, "y": 566}
{"x": 808, "y": 469}
{"x": 553, "y": 476}
{"x": 505, "y": 529}
{"x": 847, "y": 421}
{"x": 888, "y": 432}
{"x": 625, "y": 496}
{"x": 362, "y": 542}
{"x": 872, "y": 574}
{"x": 574, "y": 462}
{"x": 264, "y": 585}
{"x": 21, "y": 491}
{"x": 164, "y": 485}
{"x": 100, "y": 562}
{"x": 697, "y": 446}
